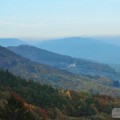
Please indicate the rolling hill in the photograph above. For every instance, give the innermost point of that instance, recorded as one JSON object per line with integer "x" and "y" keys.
{"x": 74, "y": 65}
{"x": 45, "y": 74}
{"x": 85, "y": 48}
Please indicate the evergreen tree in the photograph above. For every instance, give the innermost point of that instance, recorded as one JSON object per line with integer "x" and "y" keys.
{"x": 15, "y": 110}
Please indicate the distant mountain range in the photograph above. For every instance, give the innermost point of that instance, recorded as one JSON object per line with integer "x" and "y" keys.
{"x": 46, "y": 74}
{"x": 104, "y": 50}
{"x": 74, "y": 65}
{"x": 11, "y": 42}
{"x": 110, "y": 39}
{"x": 86, "y": 48}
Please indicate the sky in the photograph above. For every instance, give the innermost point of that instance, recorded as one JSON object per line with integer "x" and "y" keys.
{"x": 38, "y": 19}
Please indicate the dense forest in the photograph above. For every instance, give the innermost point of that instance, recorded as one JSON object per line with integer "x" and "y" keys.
{"x": 33, "y": 101}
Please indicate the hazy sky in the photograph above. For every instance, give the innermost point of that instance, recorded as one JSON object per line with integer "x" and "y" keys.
{"x": 59, "y": 18}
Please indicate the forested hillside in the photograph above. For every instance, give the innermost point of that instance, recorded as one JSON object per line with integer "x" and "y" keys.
{"x": 21, "y": 100}
{"x": 74, "y": 65}
{"x": 45, "y": 74}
